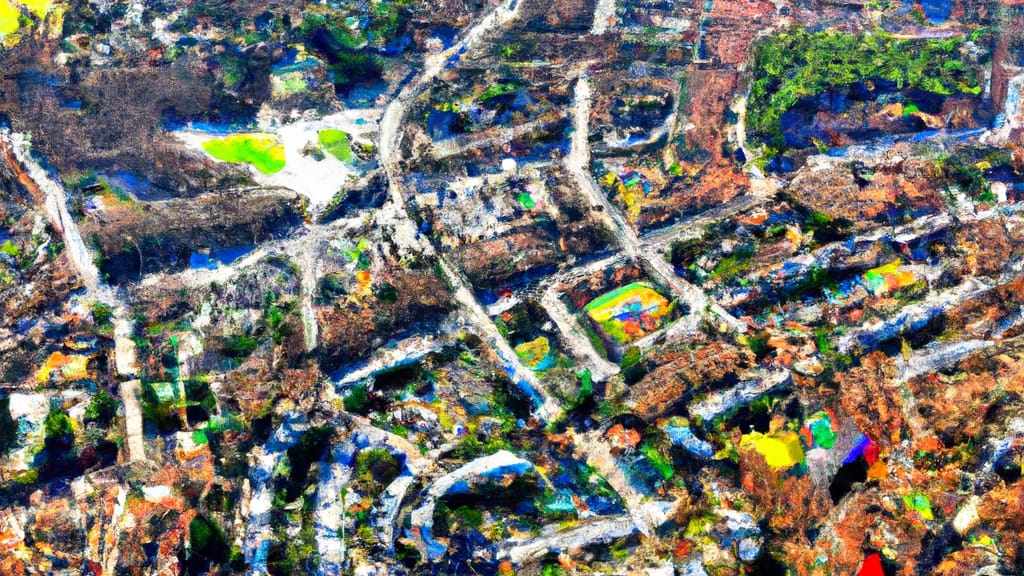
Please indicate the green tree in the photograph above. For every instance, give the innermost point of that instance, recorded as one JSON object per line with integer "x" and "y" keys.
{"x": 207, "y": 540}
{"x": 102, "y": 314}
{"x": 58, "y": 432}
{"x": 102, "y": 408}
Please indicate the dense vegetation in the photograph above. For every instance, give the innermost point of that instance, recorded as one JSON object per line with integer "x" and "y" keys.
{"x": 798, "y": 64}
{"x": 353, "y": 53}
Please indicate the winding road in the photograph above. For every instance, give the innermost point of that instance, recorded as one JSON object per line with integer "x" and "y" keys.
{"x": 643, "y": 515}
{"x": 577, "y": 162}
{"x": 54, "y": 200}
{"x": 394, "y": 215}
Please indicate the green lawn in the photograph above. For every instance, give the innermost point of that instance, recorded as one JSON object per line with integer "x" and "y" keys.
{"x": 264, "y": 151}
{"x": 336, "y": 143}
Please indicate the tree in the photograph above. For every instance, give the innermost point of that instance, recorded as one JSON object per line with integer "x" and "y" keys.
{"x": 59, "y": 434}
{"x": 207, "y": 541}
{"x": 102, "y": 408}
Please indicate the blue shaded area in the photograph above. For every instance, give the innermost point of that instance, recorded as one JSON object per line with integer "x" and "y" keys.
{"x": 209, "y": 127}
{"x": 837, "y": 102}
{"x": 469, "y": 548}
{"x": 364, "y": 93}
{"x": 288, "y": 58}
{"x": 25, "y": 324}
{"x": 633, "y": 310}
{"x": 454, "y": 59}
{"x": 561, "y": 502}
{"x": 131, "y": 183}
{"x": 447, "y": 35}
{"x": 230, "y": 254}
{"x": 862, "y": 443}
{"x": 684, "y": 437}
{"x": 563, "y": 480}
{"x": 488, "y": 297}
{"x": 396, "y": 46}
{"x": 295, "y": 66}
{"x": 603, "y": 506}
{"x": 546, "y": 364}
{"x": 525, "y": 386}
{"x": 264, "y": 22}
{"x": 937, "y": 11}
{"x": 641, "y": 474}
{"x": 201, "y": 261}
{"x": 211, "y": 261}
{"x": 26, "y": 426}
{"x": 780, "y": 164}
{"x": 441, "y": 123}
{"x": 36, "y": 77}
{"x": 131, "y": 180}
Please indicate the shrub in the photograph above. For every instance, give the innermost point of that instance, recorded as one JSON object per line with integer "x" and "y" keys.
{"x": 58, "y": 432}
{"x": 207, "y": 540}
{"x": 102, "y": 314}
{"x": 240, "y": 345}
{"x": 357, "y": 401}
{"x": 102, "y": 408}
{"x": 376, "y": 466}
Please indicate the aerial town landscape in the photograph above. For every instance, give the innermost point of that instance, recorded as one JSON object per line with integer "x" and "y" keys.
{"x": 534, "y": 287}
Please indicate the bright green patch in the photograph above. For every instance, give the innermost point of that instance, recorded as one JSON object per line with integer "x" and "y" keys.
{"x": 919, "y": 502}
{"x": 534, "y": 353}
{"x": 9, "y": 248}
{"x": 821, "y": 340}
{"x": 819, "y": 431}
{"x": 291, "y": 83}
{"x": 526, "y": 200}
{"x": 264, "y": 151}
{"x": 757, "y": 342}
{"x": 660, "y": 463}
{"x": 165, "y": 392}
{"x": 553, "y": 570}
{"x": 102, "y": 314}
{"x": 57, "y": 424}
{"x": 241, "y": 345}
{"x": 336, "y": 143}
{"x": 495, "y": 90}
{"x": 357, "y": 401}
{"x": 586, "y": 390}
{"x": 207, "y": 539}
